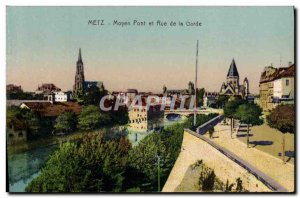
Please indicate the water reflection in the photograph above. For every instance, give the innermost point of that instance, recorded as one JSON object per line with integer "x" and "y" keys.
{"x": 24, "y": 167}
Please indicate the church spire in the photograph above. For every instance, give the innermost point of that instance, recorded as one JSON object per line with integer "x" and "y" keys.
{"x": 79, "y": 56}
{"x": 232, "y": 69}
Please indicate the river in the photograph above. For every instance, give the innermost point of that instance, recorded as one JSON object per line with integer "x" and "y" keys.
{"x": 24, "y": 167}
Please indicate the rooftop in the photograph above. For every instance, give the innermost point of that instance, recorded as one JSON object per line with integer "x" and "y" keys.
{"x": 232, "y": 69}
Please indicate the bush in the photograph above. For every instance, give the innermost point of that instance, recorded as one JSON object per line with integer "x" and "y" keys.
{"x": 211, "y": 132}
{"x": 96, "y": 164}
{"x": 207, "y": 181}
{"x": 66, "y": 122}
{"x": 91, "y": 118}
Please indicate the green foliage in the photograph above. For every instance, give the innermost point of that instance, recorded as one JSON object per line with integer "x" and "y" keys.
{"x": 66, "y": 122}
{"x": 93, "y": 95}
{"x": 62, "y": 173}
{"x": 200, "y": 177}
{"x": 231, "y": 107}
{"x": 249, "y": 114}
{"x": 167, "y": 144}
{"x": 32, "y": 122}
{"x": 221, "y": 101}
{"x": 23, "y": 119}
{"x": 91, "y": 118}
{"x": 23, "y": 96}
{"x": 200, "y": 94}
{"x": 228, "y": 187}
{"x": 96, "y": 164}
{"x": 200, "y": 119}
{"x": 106, "y": 162}
{"x": 282, "y": 118}
{"x": 239, "y": 185}
{"x": 143, "y": 157}
{"x": 211, "y": 132}
{"x": 207, "y": 180}
{"x": 120, "y": 116}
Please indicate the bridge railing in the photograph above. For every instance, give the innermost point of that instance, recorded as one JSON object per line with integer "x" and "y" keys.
{"x": 264, "y": 178}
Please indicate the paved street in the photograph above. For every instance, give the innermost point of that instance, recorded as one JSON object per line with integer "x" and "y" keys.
{"x": 194, "y": 149}
{"x": 268, "y": 164}
{"x": 269, "y": 140}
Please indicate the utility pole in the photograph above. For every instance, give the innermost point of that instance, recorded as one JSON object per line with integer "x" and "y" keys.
{"x": 195, "y": 86}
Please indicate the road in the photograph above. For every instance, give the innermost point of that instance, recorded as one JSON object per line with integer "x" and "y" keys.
{"x": 268, "y": 181}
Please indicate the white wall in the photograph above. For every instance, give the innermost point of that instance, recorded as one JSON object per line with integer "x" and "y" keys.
{"x": 280, "y": 87}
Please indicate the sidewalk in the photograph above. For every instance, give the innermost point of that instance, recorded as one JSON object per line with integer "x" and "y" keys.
{"x": 194, "y": 149}
{"x": 268, "y": 164}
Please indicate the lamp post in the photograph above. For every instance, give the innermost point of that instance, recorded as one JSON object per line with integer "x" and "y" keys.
{"x": 195, "y": 102}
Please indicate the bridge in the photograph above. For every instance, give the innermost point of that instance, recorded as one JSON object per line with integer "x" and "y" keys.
{"x": 189, "y": 112}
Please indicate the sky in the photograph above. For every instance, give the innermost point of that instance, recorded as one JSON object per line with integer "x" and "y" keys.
{"x": 43, "y": 43}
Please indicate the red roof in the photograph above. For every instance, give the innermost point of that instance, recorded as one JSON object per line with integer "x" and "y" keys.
{"x": 279, "y": 73}
{"x": 53, "y": 110}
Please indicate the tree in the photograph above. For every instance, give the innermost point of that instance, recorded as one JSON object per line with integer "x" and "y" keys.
{"x": 93, "y": 95}
{"x": 91, "y": 118}
{"x": 200, "y": 94}
{"x": 23, "y": 96}
{"x": 230, "y": 109}
{"x": 106, "y": 158}
{"x": 63, "y": 172}
{"x": 66, "y": 122}
{"x": 228, "y": 187}
{"x": 282, "y": 118}
{"x": 211, "y": 132}
{"x": 143, "y": 156}
{"x": 94, "y": 165}
{"x": 191, "y": 88}
{"x": 239, "y": 185}
{"x": 221, "y": 101}
{"x": 119, "y": 116}
{"x": 249, "y": 114}
{"x": 30, "y": 120}
{"x": 207, "y": 181}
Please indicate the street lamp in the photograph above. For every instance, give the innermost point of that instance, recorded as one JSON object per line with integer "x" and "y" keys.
{"x": 195, "y": 102}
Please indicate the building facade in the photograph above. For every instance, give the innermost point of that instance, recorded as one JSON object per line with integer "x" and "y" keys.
{"x": 143, "y": 119}
{"x": 78, "y": 88}
{"x": 59, "y": 96}
{"x": 232, "y": 85}
{"x": 47, "y": 88}
{"x": 210, "y": 98}
{"x": 99, "y": 84}
{"x": 81, "y": 85}
{"x": 276, "y": 86}
{"x": 13, "y": 88}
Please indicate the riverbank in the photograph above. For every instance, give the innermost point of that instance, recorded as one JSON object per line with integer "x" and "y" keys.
{"x": 55, "y": 139}
{"x": 49, "y": 140}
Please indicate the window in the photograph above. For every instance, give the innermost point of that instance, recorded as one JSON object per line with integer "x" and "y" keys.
{"x": 287, "y": 82}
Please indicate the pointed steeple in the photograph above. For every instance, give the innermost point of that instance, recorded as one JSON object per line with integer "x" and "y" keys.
{"x": 79, "y": 56}
{"x": 232, "y": 69}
